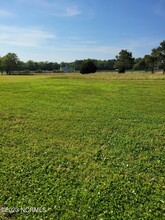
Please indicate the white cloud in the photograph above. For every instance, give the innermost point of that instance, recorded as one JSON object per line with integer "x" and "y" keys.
{"x": 59, "y": 8}
{"x": 66, "y": 11}
{"x": 72, "y": 10}
{"x": 5, "y": 13}
{"x": 26, "y": 37}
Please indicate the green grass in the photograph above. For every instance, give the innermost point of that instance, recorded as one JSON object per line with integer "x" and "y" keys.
{"x": 83, "y": 147}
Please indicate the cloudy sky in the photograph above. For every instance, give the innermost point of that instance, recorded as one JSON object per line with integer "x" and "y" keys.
{"x": 66, "y": 30}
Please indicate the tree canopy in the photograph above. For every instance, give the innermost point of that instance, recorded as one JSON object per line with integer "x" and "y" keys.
{"x": 159, "y": 54}
{"x": 124, "y": 61}
{"x": 10, "y": 63}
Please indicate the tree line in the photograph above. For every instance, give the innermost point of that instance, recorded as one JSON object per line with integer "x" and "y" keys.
{"x": 124, "y": 61}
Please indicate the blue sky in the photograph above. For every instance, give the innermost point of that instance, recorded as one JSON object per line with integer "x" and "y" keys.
{"x": 66, "y": 30}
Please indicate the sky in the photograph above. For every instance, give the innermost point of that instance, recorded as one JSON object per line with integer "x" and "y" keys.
{"x": 69, "y": 30}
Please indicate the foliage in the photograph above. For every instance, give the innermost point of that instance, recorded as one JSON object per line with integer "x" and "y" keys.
{"x": 139, "y": 64}
{"x": 162, "y": 54}
{"x": 150, "y": 62}
{"x": 10, "y": 63}
{"x": 44, "y": 66}
{"x": 159, "y": 54}
{"x": 88, "y": 67}
{"x": 121, "y": 70}
{"x": 1, "y": 65}
{"x": 78, "y": 64}
{"x": 38, "y": 71}
{"x": 124, "y": 61}
{"x": 82, "y": 147}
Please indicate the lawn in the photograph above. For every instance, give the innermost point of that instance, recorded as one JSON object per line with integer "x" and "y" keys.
{"x": 82, "y": 147}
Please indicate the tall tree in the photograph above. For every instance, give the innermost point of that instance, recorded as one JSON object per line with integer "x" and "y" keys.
{"x": 78, "y": 64}
{"x": 10, "y": 62}
{"x": 56, "y": 66}
{"x": 159, "y": 53}
{"x": 1, "y": 66}
{"x": 139, "y": 64}
{"x": 109, "y": 64}
{"x": 31, "y": 65}
{"x": 150, "y": 61}
{"x": 162, "y": 54}
{"x": 124, "y": 61}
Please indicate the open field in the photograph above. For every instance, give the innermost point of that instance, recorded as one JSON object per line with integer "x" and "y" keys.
{"x": 82, "y": 146}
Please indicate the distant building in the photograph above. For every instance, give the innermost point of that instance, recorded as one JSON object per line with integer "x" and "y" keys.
{"x": 67, "y": 69}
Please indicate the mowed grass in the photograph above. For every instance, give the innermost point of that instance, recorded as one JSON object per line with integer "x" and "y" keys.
{"x": 82, "y": 147}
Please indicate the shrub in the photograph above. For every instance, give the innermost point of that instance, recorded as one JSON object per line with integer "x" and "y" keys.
{"x": 38, "y": 71}
{"x": 25, "y": 72}
{"x": 88, "y": 67}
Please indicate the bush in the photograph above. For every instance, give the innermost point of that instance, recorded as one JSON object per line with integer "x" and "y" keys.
{"x": 88, "y": 67}
{"x": 38, "y": 71}
{"x": 25, "y": 72}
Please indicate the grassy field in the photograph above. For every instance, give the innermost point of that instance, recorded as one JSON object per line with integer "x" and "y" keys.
{"x": 82, "y": 147}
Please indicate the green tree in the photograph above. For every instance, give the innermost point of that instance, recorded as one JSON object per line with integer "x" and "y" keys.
{"x": 124, "y": 61}
{"x": 150, "y": 61}
{"x": 10, "y": 63}
{"x": 78, "y": 64}
{"x": 55, "y": 66}
{"x": 109, "y": 64}
{"x": 31, "y": 65}
{"x": 22, "y": 66}
{"x": 162, "y": 54}
{"x": 159, "y": 54}
{"x": 88, "y": 66}
{"x": 1, "y": 66}
{"x": 139, "y": 64}
{"x": 100, "y": 64}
